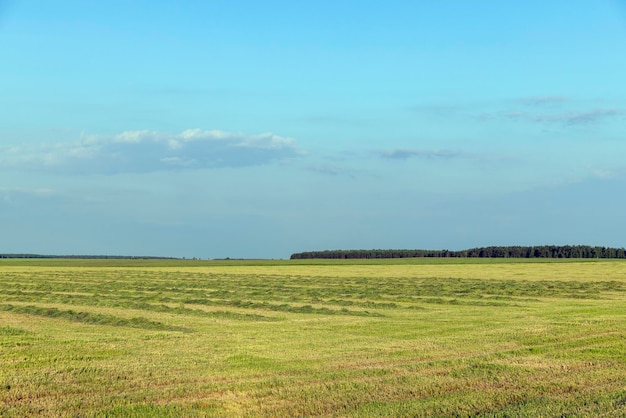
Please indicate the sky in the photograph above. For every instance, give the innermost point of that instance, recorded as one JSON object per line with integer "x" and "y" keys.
{"x": 250, "y": 129}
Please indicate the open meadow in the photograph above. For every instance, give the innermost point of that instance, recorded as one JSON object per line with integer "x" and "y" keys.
{"x": 401, "y": 337}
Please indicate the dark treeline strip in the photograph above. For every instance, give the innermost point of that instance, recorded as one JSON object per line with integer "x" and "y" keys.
{"x": 543, "y": 251}
{"x": 87, "y": 257}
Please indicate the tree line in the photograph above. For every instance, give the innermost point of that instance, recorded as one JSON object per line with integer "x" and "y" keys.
{"x": 542, "y": 251}
{"x": 87, "y": 257}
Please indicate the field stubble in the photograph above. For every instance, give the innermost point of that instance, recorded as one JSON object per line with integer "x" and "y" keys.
{"x": 372, "y": 338}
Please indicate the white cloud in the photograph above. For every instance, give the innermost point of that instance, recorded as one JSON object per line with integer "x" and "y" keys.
{"x": 174, "y": 144}
{"x": 146, "y": 151}
{"x": 134, "y": 137}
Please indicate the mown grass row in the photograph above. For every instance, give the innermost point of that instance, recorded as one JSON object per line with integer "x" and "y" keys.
{"x": 90, "y": 318}
{"x": 136, "y": 303}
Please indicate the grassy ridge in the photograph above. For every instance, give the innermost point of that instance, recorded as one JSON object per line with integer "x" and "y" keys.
{"x": 332, "y": 338}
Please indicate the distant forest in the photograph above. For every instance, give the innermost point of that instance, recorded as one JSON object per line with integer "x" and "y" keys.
{"x": 543, "y": 251}
{"x": 85, "y": 257}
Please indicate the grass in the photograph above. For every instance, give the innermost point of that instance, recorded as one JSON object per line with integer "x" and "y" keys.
{"x": 89, "y": 318}
{"x": 426, "y": 337}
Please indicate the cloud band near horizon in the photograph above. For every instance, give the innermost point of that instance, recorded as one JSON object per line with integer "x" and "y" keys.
{"x": 148, "y": 151}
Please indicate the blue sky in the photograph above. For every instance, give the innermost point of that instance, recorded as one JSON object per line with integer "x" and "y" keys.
{"x": 259, "y": 129}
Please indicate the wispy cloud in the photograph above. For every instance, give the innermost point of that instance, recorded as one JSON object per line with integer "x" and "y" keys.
{"x": 569, "y": 118}
{"x": 146, "y": 151}
{"x": 566, "y": 118}
{"x": 403, "y": 154}
{"x": 327, "y": 169}
{"x": 333, "y": 170}
{"x": 543, "y": 100}
{"x": 7, "y": 192}
{"x": 588, "y": 117}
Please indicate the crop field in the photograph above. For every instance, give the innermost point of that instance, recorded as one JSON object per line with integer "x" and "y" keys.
{"x": 412, "y": 337}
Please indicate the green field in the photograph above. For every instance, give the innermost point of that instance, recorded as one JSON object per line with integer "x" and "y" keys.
{"x": 419, "y": 337}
